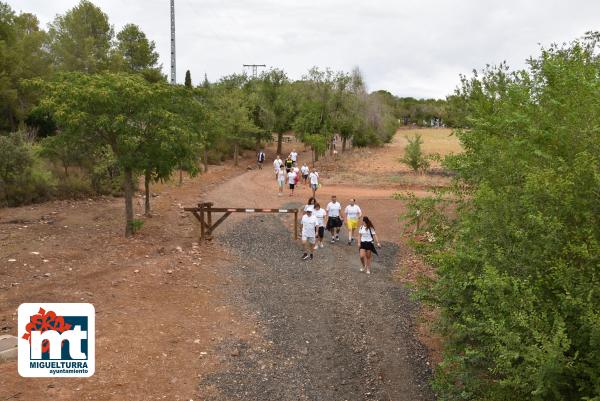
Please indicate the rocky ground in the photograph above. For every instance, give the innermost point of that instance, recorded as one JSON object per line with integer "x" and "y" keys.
{"x": 329, "y": 331}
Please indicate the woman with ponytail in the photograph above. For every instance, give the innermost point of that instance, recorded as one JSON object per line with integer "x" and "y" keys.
{"x": 367, "y": 239}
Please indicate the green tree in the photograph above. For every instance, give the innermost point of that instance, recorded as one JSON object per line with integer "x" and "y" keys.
{"x": 188, "y": 79}
{"x": 81, "y": 39}
{"x": 125, "y": 112}
{"x": 137, "y": 54}
{"x": 22, "y": 56}
{"x": 517, "y": 282}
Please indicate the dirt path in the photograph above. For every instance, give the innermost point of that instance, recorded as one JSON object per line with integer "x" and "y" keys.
{"x": 229, "y": 320}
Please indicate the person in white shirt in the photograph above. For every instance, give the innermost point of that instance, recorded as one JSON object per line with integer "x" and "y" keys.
{"x": 304, "y": 170}
{"x": 309, "y": 234}
{"x": 260, "y": 159}
{"x": 291, "y": 176}
{"x": 366, "y": 240}
{"x": 277, "y": 165}
{"x": 353, "y": 214}
{"x": 297, "y": 171}
{"x": 294, "y": 156}
{"x": 320, "y": 214}
{"x": 334, "y": 220}
{"x": 314, "y": 181}
{"x": 310, "y": 204}
{"x": 281, "y": 180}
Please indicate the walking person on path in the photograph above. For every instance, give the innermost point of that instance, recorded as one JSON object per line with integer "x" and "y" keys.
{"x": 320, "y": 214}
{"x": 277, "y": 165}
{"x": 260, "y": 159}
{"x": 334, "y": 219}
{"x": 294, "y": 156}
{"x": 291, "y": 176}
{"x": 288, "y": 164}
{"x": 309, "y": 234}
{"x": 366, "y": 240}
{"x": 304, "y": 170}
{"x": 281, "y": 176}
{"x": 310, "y": 204}
{"x": 314, "y": 181}
{"x": 353, "y": 214}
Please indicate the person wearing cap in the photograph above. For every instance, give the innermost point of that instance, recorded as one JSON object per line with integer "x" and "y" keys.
{"x": 310, "y": 226}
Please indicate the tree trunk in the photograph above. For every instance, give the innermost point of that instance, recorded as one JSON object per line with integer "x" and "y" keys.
{"x": 313, "y": 158}
{"x": 128, "y": 173}
{"x": 180, "y": 176}
{"x": 205, "y": 160}
{"x": 66, "y": 167}
{"x": 147, "y": 190}
{"x": 279, "y": 142}
{"x": 236, "y": 151}
{"x": 316, "y": 155}
{"x": 343, "y": 144}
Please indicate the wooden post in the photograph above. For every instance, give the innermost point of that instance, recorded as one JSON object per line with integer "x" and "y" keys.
{"x": 209, "y": 220}
{"x": 296, "y": 224}
{"x": 202, "y": 236}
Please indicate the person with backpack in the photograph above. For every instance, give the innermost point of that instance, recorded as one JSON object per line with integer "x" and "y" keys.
{"x": 260, "y": 159}
{"x": 367, "y": 238}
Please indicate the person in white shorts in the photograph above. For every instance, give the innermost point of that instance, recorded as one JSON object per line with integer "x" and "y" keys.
{"x": 353, "y": 214}
{"x": 309, "y": 234}
{"x": 281, "y": 180}
{"x": 314, "y": 181}
{"x": 320, "y": 214}
{"x": 277, "y": 165}
{"x": 334, "y": 219}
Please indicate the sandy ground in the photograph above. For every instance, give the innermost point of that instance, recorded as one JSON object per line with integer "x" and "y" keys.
{"x": 165, "y": 316}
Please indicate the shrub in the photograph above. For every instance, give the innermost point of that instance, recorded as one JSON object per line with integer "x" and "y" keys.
{"x": 22, "y": 178}
{"x": 518, "y": 285}
{"x": 413, "y": 154}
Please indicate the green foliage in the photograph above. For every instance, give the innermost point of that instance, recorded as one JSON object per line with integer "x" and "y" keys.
{"x": 147, "y": 127}
{"x": 81, "y": 39}
{"x": 518, "y": 285}
{"x": 22, "y": 180}
{"x": 188, "y": 79}
{"x": 413, "y": 154}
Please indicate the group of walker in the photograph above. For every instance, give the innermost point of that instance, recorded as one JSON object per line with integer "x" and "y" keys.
{"x": 288, "y": 171}
{"x": 313, "y": 220}
{"x": 314, "y": 226}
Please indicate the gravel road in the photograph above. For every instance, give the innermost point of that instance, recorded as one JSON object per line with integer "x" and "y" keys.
{"x": 332, "y": 333}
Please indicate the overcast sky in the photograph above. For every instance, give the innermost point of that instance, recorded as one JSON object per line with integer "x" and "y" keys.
{"x": 411, "y": 48}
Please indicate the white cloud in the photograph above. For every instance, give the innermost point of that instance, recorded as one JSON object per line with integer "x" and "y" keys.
{"x": 411, "y": 48}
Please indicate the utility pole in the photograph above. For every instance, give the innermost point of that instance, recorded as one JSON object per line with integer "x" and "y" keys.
{"x": 254, "y": 68}
{"x": 173, "y": 66}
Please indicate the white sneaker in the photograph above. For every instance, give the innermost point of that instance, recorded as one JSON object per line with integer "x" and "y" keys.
{"x": 316, "y": 246}
{"x": 321, "y": 245}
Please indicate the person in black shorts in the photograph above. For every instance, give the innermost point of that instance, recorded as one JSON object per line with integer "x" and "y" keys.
{"x": 288, "y": 164}
{"x": 367, "y": 238}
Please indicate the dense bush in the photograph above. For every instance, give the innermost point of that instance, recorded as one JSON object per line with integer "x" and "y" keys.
{"x": 519, "y": 280}
{"x": 22, "y": 179}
